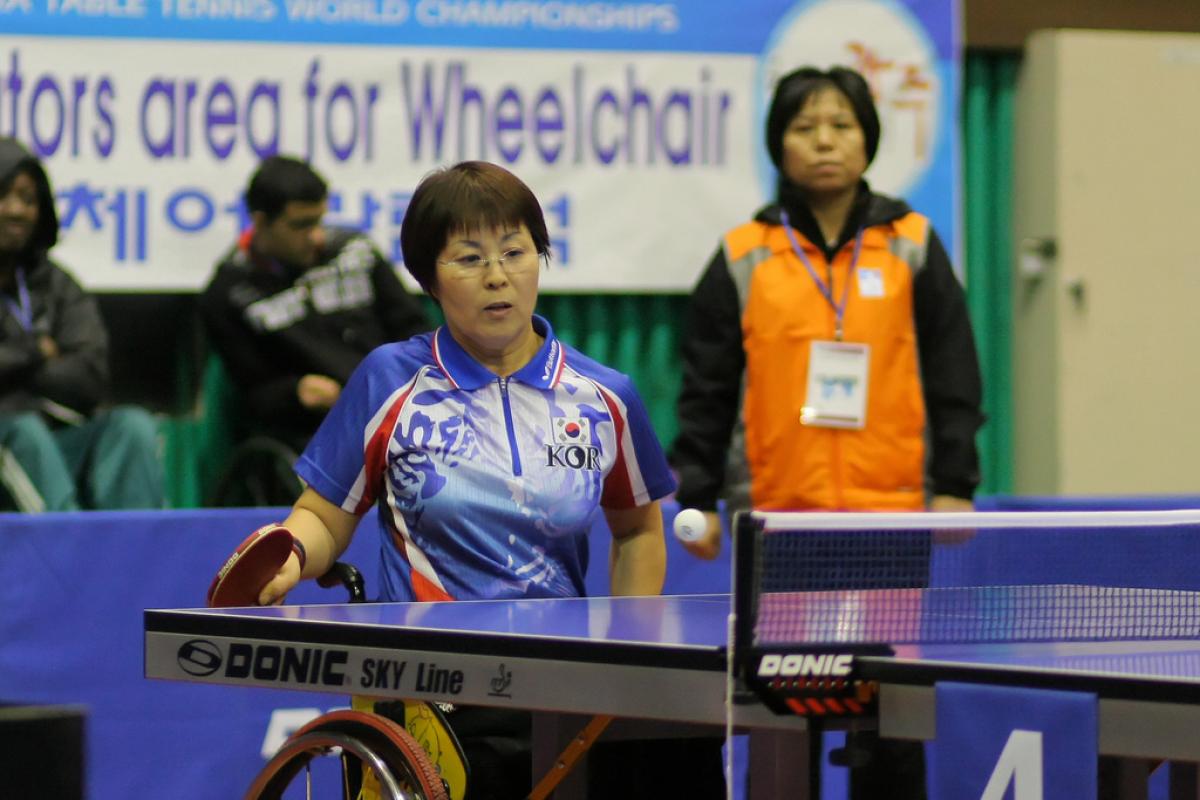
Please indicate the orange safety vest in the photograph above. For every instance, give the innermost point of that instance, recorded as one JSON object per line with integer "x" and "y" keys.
{"x": 801, "y": 467}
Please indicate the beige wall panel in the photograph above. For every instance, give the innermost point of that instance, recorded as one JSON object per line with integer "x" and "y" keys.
{"x": 1125, "y": 285}
{"x": 1035, "y": 325}
{"x": 1005, "y": 26}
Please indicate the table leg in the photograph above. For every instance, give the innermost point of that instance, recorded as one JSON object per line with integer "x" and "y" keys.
{"x": 551, "y": 735}
{"x": 780, "y": 764}
{"x": 1182, "y": 781}
{"x": 1124, "y": 778}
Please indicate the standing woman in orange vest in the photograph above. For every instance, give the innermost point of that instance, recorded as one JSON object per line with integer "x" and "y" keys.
{"x": 828, "y": 359}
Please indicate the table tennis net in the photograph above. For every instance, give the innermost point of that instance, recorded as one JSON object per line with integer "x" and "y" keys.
{"x": 921, "y": 578}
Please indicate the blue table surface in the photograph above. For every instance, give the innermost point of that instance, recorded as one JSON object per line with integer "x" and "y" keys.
{"x": 683, "y": 621}
{"x": 1157, "y": 660}
{"x": 700, "y": 622}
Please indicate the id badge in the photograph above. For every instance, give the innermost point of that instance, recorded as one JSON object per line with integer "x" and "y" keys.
{"x": 837, "y": 385}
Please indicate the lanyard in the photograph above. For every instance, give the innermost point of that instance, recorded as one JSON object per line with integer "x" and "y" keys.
{"x": 839, "y": 309}
{"x": 21, "y": 308}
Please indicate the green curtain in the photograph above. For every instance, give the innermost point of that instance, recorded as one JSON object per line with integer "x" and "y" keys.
{"x": 639, "y": 334}
{"x": 198, "y": 439}
{"x": 635, "y": 334}
{"x": 987, "y": 126}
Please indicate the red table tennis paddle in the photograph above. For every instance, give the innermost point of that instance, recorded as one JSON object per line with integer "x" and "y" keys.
{"x": 252, "y": 565}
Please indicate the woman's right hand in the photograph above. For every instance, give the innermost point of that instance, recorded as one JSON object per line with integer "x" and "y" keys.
{"x": 276, "y": 590}
{"x": 707, "y": 546}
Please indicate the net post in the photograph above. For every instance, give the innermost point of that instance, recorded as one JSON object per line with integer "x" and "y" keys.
{"x": 747, "y": 532}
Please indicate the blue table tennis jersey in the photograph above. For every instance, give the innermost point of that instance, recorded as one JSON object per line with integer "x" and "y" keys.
{"x": 486, "y": 487}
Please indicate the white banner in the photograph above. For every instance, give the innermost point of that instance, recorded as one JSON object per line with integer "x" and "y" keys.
{"x": 640, "y": 132}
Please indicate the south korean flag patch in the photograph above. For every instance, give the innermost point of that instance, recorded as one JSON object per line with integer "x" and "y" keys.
{"x": 572, "y": 430}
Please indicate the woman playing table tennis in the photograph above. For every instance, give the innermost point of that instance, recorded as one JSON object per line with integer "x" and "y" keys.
{"x": 486, "y": 445}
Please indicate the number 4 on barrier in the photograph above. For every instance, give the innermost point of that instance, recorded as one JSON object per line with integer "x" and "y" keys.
{"x": 1020, "y": 765}
{"x": 1040, "y": 742}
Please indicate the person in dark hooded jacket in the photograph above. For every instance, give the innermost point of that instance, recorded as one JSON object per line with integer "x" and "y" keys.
{"x": 58, "y": 450}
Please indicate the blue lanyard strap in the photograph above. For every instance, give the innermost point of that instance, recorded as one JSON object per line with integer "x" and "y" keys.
{"x": 839, "y": 309}
{"x": 22, "y": 307}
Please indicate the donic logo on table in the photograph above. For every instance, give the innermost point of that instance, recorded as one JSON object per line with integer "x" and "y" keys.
{"x": 264, "y": 662}
{"x": 572, "y": 446}
{"x": 199, "y": 657}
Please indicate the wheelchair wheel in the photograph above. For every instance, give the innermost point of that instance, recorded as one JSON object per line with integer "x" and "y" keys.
{"x": 363, "y": 741}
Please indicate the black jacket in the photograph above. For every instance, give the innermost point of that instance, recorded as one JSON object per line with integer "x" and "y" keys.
{"x": 271, "y": 325}
{"x": 714, "y": 362}
{"x": 77, "y": 379}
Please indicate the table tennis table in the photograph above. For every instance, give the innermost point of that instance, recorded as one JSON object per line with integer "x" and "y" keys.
{"x": 656, "y": 663}
{"x": 661, "y": 664}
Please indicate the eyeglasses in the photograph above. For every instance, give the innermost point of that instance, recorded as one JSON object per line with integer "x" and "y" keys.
{"x": 472, "y": 265}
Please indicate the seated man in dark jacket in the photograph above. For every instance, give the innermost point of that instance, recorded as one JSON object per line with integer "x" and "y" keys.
{"x": 295, "y": 305}
{"x": 57, "y": 452}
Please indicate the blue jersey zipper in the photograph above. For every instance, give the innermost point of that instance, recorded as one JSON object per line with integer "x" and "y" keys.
{"x": 508, "y": 424}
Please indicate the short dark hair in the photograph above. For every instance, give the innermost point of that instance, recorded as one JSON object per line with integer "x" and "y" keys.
{"x": 280, "y": 180}
{"x": 793, "y": 90}
{"x": 466, "y": 196}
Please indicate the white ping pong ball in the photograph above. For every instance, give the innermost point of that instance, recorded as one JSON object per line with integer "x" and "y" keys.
{"x": 690, "y": 525}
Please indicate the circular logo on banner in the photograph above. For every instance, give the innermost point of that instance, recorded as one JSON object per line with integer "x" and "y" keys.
{"x": 888, "y": 46}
